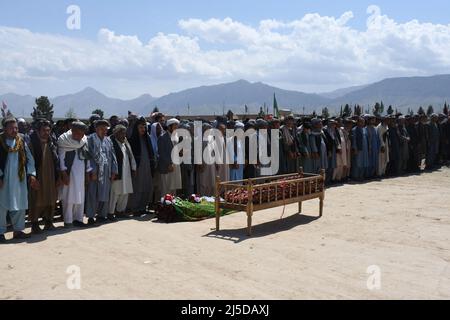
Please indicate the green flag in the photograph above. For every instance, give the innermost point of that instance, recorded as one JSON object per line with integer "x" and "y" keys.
{"x": 276, "y": 111}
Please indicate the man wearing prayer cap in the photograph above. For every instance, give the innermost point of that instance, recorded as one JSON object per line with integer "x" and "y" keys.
{"x": 17, "y": 169}
{"x": 104, "y": 172}
{"x": 360, "y": 147}
{"x": 383, "y": 136}
{"x": 92, "y": 119}
{"x": 74, "y": 164}
{"x": 374, "y": 147}
{"x": 404, "y": 143}
{"x": 261, "y": 124}
{"x": 42, "y": 201}
{"x": 433, "y": 142}
{"x": 172, "y": 121}
{"x": 170, "y": 172}
{"x": 122, "y": 187}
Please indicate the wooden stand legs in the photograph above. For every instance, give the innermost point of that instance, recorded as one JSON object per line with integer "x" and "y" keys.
{"x": 217, "y": 220}
{"x": 249, "y": 219}
{"x": 321, "y": 206}
{"x": 300, "y": 207}
{"x": 217, "y": 203}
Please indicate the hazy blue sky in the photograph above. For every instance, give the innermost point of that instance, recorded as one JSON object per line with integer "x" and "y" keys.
{"x": 145, "y": 18}
{"x": 125, "y": 48}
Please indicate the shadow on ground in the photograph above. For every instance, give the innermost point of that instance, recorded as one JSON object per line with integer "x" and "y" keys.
{"x": 262, "y": 230}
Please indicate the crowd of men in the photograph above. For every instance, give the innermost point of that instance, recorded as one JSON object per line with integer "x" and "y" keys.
{"x": 120, "y": 167}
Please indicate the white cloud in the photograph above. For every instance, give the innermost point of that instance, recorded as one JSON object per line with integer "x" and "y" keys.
{"x": 312, "y": 53}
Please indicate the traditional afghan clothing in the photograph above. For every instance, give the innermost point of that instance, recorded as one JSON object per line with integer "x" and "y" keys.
{"x": 433, "y": 145}
{"x": 171, "y": 181}
{"x": 43, "y": 201}
{"x": 142, "y": 181}
{"x": 394, "y": 156}
{"x": 16, "y": 163}
{"x": 104, "y": 165}
{"x": 306, "y": 151}
{"x": 73, "y": 158}
{"x": 404, "y": 148}
{"x": 122, "y": 187}
{"x": 374, "y": 150}
{"x": 341, "y": 157}
{"x": 319, "y": 147}
{"x": 236, "y": 147}
{"x": 383, "y": 158}
{"x": 206, "y": 179}
{"x": 360, "y": 160}
{"x": 290, "y": 149}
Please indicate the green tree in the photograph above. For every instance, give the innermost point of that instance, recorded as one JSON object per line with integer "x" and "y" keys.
{"x": 155, "y": 110}
{"x": 70, "y": 113}
{"x": 381, "y": 107}
{"x": 390, "y": 110}
{"x": 325, "y": 113}
{"x": 43, "y": 109}
{"x": 347, "y": 111}
{"x": 445, "y": 111}
{"x": 430, "y": 110}
{"x": 99, "y": 112}
{"x": 421, "y": 111}
{"x": 357, "y": 110}
{"x": 377, "y": 110}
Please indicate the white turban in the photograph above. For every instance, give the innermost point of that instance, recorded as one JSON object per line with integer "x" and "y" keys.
{"x": 172, "y": 121}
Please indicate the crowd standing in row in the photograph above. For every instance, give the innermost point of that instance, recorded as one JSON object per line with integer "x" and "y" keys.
{"x": 106, "y": 169}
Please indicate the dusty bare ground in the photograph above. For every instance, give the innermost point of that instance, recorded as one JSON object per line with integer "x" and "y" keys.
{"x": 400, "y": 225}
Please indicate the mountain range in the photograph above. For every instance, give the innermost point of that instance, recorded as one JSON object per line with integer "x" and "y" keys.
{"x": 401, "y": 93}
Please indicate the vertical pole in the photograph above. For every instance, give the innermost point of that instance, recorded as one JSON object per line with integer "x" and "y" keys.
{"x": 300, "y": 171}
{"x": 217, "y": 203}
{"x": 322, "y": 173}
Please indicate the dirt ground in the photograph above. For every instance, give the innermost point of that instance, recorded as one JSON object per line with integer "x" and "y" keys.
{"x": 397, "y": 229}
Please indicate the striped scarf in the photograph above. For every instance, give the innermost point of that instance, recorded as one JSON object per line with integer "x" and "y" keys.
{"x": 18, "y": 147}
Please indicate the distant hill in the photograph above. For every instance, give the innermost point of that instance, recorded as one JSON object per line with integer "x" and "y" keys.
{"x": 401, "y": 93}
{"x": 235, "y": 95}
{"x": 20, "y": 106}
{"x": 340, "y": 92}
{"x": 83, "y": 103}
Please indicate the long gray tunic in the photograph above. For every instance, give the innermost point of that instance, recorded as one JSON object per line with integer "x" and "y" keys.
{"x": 104, "y": 164}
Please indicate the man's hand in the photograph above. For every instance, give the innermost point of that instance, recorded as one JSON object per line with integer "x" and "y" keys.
{"x": 34, "y": 183}
{"x": 65, "y": 178}
{"x": 113, "y": 177}
{"x": 383, "y": 150}
{"x": 133, "y": 173}
{"x": 171, "y": 168}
